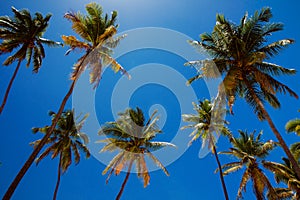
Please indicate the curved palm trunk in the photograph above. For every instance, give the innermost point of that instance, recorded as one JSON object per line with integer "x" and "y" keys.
{"x": 125, "y": 181}
{"x": 275, "y": 131}
{"x": 42, "y": 143}
{"x": 58, "y": 177}
{"x": 221, "y": 172}
{"x": 9, "y": 86}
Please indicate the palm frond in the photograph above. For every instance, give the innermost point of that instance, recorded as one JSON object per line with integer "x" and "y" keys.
{"x": 50, "y": 43}
{"x": 282, "y": 193}
{"x": 73, "y": 42}
{"x": 295, "y": 149}
{"x": 114, "y": 162}
{"x": 245, "y": 178}
{"x": 19, "y": 55}
{"x": 233, "y": 169}
{"x": 46, "y": 152}
{"x": 114, "y": 42}
{"x": 75, "y": 152}
{"x": 155, "y": 145}
{"x": 66, "y": 159}
{"x": 274, "y": 48}
{"x": 293, "y": 126}
{"x": 144, "y": 171}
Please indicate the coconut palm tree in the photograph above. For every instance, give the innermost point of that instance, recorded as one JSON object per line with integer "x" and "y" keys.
{"x": 97, "y": 32}
{"x": 285, "y": 173}
{"x": 239, "y": 53}
{"x": 23, "y": 33}
{"x": 249, "y": 150}
{"x": 206, "y": 123}
{"x": 132, "y": 136}
{"x": 294, "y": 126}
{"x": 65, "y": 142}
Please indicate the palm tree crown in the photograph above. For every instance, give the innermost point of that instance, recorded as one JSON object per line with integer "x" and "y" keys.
{"x": 26, "y": 32}
{"x": 294, "y": 126}
{"x": 239, "y": 52}
{"x": 132, "y": 135}
{"x": 97, "y": 31}
{"x": 249, "y": 149}
{"x": 208, "y": 123}
{"x": 65, "y": 140}
{"x": 285, "y": 173}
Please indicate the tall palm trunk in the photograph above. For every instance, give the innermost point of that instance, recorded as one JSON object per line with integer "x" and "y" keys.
{"x": 9, "y": 85}
{"x": 42, "y": 143}
{"x": 274, "y": 129}
{"x": 125, "y": 181}
{"x": 221, "y": 172}
{"x": 58, "y": 177}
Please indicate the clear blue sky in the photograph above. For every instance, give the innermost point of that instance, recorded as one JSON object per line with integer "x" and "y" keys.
{"x": 33, "y": 95}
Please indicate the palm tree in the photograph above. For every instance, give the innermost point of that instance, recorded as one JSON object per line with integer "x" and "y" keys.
{"x": 285, "y": 173}
{"x": 24, "y": 33}
{"x": 294, "y": 126}
{"x": 205, "y": 123}
{"x": 97, "y": 31}
{"x": 239, "y": 54}
{"x": 132, "y": 135}
{"x": 249, "y": 149}
{"x": 65, "y": 140}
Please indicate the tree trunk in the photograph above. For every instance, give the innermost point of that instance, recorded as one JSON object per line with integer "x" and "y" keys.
{"x": 221, "y": 172}
{"x": 9, "y": 86}
{"x": 58, "y": 177}
{"x": 125, "y": 181}
{"x": 275, "y": 131}
{"x": 42, "y": 143}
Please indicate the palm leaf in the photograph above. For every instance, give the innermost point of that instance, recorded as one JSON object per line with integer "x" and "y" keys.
{"x": 114, "y": 162}
{"x": 293, "y": 126}
{"x": 245, "y": 178}
{"x": 275, "y": 47}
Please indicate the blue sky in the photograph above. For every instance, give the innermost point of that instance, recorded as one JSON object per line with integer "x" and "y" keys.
{"x": 33, "y": 95}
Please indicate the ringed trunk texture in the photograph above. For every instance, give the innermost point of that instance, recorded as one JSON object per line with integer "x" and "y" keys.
{"x": 10, "y": 85}
{"x": 125, "y": 181}
{"x": 275, "y": 131}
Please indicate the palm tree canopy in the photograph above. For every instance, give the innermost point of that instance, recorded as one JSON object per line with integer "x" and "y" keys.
{"x": 251, "y": 145}
{"x": 247, "y": 149}
{"x": 97, "y": 31}
{"x": 132, "y": 135}
{"x": 24, "y": 31}
{"x": 284, "y": 173}
{"x": 293, "y": 126}
{"x": 239, "y": 52}
{"x": 66, "y": 139}
{"x": 206, "y": 122}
